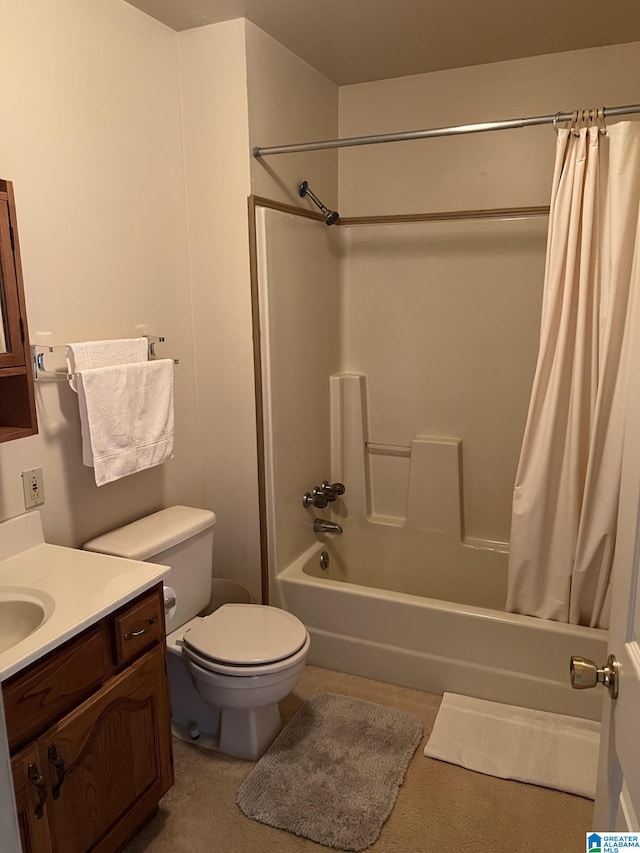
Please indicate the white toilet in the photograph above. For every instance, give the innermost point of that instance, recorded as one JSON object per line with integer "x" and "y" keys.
{"x": 227, "y": 671}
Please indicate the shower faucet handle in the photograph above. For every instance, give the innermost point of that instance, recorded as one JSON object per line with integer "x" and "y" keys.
{"x": 322, "y": 494}
{"x": 332, "y": 490}
{"x": 316, "y": 498}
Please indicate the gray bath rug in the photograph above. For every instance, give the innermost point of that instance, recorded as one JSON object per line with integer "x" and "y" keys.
{"x": 334, "y": 771}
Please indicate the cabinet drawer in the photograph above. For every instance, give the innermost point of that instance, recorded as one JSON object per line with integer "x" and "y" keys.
{"x": 138, "y": 626}
{"x": 45, "y": 691}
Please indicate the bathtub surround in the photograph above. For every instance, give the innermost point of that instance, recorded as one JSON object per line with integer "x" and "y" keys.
{"x": 566, "y": 495}
{"x": 395, "y": 402}
{"x": 333, "y": 773}
{"x": 404, "y": 511}
{"x": 427, "y": 503}
{"x": 551, "y": 750}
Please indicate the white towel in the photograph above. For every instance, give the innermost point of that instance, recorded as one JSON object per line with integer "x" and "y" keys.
{"x": 89, "y": 354}
{"x": 127, "y": 412}
{"x": 86, "y": 355}
{"x": 538, "y": 747}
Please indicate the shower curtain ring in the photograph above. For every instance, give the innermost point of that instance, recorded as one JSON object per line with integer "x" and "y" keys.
{"x": 602, "y": 124}
{"x": 556, "y": 119}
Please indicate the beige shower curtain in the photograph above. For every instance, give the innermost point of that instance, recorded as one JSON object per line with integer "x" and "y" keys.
{"x": 567, "y": 485}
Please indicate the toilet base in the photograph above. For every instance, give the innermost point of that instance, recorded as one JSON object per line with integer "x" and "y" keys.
{"x": 249, "y": 732}
{"x": 243, "y": 732}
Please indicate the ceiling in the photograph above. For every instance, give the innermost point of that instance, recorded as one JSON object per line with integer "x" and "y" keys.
{"x": 354, "y": 41}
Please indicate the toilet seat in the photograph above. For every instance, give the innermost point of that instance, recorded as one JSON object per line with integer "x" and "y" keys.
{"x": 246, "y": 639}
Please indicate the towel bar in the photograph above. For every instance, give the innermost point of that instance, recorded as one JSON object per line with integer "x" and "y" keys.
{"x": 38, "y": 353}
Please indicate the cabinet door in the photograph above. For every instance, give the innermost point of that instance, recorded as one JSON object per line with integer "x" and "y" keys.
{"x": 31, "y": 791}
{"x": 109, "y": 761}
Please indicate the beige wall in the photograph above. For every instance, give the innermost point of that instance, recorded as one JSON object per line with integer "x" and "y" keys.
{"x": 237, "y": 84}
{"x": 289, "y": 102}
{"x": 216, "y": 143}
{"x": 498, "y": 169}
{"x": 90, "y": 106}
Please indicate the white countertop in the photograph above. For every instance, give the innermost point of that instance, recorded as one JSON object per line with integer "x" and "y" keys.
{"x": 76, "y": 588}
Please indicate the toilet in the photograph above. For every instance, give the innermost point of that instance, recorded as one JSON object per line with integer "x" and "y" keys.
{"x": 228, "y": 670}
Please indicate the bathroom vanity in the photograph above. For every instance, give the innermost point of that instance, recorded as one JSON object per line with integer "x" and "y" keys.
{"x": 85, "y": 692}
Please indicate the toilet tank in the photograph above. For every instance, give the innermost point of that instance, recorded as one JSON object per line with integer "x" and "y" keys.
{"x": 180, "y": 537}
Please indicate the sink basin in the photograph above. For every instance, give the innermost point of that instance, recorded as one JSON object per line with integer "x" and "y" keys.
{"x": 21, "y": 613}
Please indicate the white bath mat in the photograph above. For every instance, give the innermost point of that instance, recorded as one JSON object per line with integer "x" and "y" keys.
{"x": 537, "y": 747}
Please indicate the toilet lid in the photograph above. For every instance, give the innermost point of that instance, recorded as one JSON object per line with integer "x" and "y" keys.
{"x": 246, "y": 635}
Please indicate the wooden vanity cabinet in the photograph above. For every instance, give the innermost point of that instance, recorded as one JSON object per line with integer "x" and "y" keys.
{"x": 17, "y": 401}
{"x": 90, "y": 780}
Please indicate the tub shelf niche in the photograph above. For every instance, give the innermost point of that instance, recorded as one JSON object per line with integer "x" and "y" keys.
{"x": 417, "y": 486}
{"x": 388, "y": 470}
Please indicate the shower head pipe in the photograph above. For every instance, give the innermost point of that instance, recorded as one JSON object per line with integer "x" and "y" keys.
{"x": 330, "y": 216}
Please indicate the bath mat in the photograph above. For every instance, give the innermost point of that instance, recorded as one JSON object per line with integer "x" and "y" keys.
{"x": 333, "y": 772}
{"x": 551, "y": 750}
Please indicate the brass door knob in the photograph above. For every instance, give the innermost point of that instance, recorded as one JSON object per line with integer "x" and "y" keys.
{"x": 585, "y": 673}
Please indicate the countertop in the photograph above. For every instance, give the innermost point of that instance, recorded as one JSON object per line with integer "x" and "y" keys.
{"x": 76, "y": 588}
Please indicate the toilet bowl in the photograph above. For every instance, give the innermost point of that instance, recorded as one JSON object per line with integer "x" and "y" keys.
{"x": 242, "y": 659}
{"x": 228, "y": 670}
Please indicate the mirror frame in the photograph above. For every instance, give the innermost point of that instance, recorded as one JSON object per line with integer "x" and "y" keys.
{"x": 17, "y": 398}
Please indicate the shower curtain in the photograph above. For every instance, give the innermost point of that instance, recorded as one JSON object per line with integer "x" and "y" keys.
{"x": 567, "y": 485}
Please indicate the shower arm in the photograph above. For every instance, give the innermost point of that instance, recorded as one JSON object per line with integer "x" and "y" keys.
{"x": 330, "y": 216}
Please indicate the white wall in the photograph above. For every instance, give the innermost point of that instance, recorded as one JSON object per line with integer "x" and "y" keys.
{"x": 91, "y": 138}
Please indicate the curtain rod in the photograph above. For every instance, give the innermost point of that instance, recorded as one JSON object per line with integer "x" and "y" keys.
{"x": 508, "y": 124}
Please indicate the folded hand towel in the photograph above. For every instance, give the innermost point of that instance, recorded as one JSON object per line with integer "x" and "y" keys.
{"x": 127, "y": 411}
{"x": 90, "y": 354}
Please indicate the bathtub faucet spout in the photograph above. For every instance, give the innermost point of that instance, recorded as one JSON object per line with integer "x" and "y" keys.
{"x": 320, "y": 525}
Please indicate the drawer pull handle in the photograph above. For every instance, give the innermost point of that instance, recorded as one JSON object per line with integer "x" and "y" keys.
{"x": 131, "y": 634}
{"x": 39, "y": 782}
{"x": 58, "y": 763}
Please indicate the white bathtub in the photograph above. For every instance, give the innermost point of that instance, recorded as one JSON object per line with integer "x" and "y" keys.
{"x": 439, "y": 646}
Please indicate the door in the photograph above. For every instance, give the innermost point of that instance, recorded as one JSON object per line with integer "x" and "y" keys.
{"x": 617, "y": 805}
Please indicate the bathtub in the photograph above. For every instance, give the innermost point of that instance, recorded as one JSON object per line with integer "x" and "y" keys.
{"x": 438, "y": 646}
